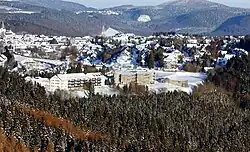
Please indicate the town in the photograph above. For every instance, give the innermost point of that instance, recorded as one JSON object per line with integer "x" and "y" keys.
{"x": 124, "y": 76}
{"x": 113, "y": 61}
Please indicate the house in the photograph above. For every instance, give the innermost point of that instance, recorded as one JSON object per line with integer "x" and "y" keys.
{"x": 192, "y": 43}
{"x": 30, "y": 63}
{"x": 223, "y": 61}
{"x": 171, "y": 59}
{"x": 174, "y": 55}
{"x": 223, "y": 52}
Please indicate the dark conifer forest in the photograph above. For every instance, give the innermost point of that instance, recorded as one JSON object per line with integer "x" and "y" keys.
{"x": 211, "y": 119}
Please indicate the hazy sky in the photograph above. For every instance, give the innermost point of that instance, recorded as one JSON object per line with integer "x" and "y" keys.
{"x": 110, "y": 3}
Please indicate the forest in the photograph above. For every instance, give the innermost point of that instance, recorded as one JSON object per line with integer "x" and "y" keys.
{"x": 208, "y": 120}
{"x": 235, "y": 79}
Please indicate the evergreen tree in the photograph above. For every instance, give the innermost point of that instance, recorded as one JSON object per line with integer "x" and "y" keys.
{"x": 160, "y": 57}
{"x": 139, "y": 60}
{"x": 180, "y": 59}
{"x": 79, "y": 68}
{"x": 72, "y": 69}
{"x": 53, "y": 41}
{"x": 151, "y": 60}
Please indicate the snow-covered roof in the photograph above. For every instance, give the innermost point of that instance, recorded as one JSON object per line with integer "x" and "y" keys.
{"x": 3, "y": 58}
{"x": 77, "y": 76}
{"x": 20, "y": 58}
{"x": 229, "y": 56}
{"x": 110, "y": 32}
{"x": 86, "y": 62}
{"x": 126, "y": 72}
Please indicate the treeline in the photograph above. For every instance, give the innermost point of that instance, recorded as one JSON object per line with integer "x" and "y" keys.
{"x": 209, "y": 121}
{"x": 244, "y": 43}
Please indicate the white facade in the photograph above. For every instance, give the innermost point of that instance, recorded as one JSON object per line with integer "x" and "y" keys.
{"x": 71, "y": 81}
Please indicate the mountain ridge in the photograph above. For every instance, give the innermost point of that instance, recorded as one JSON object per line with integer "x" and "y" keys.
{"x": 238, "y": 25}
{"x": 189, "y": 16}
{"x": 58, "y": 4}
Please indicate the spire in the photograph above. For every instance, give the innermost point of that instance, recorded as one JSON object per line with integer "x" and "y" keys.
{"x": 103, "y": 30}
{"x": 3, "y": 25}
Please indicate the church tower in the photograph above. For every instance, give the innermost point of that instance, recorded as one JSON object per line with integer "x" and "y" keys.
{"x": 3, "y": 27}
{"x": 2, "y": 30}
{"x": 103, "y": 31}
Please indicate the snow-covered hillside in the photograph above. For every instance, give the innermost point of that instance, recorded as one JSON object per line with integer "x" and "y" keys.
{"x": 13, "y": 10}
{"x": 2, "y": 7}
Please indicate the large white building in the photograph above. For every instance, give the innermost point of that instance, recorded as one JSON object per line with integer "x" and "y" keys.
{"x": 70, "y": 82}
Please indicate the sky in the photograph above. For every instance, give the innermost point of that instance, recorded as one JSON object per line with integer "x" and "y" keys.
{"x": 111, "y": 3}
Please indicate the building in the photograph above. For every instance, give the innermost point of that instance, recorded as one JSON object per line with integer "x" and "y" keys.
{"x": 3, "y": 60}
{"x": 180, "y": 83}
{"x": 75, "y": 81}
{"x": 173, "y": 56}
{"x": 138, "y": 77}
{"x": 2, "y": 30}
{"x": 70, "y": 82}
{"x": 29, "y": 63}
{"x": 171, "y": 59}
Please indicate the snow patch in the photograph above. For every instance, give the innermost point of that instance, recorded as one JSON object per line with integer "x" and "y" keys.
{"x": 8, "y": 8}
{"x": 144, "y": 18}
{"x": 104, "y": 12}
{"x": 21, "y": 12}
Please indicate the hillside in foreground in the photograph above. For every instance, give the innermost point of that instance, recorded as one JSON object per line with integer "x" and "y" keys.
{"x": 208, "y": 120}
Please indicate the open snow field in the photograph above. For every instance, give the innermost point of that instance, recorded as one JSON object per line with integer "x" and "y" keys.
{"x": 194, "y": 79}
{"x": 102, "y": 90}
{"x": 20, "y": 58}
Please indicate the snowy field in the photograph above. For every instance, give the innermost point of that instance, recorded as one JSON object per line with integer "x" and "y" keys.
{"x": 102, "y": 90}
{"x": 106, "y": 90}
{"x": 54, "y": 62}
{"x": 20, "y": 58}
